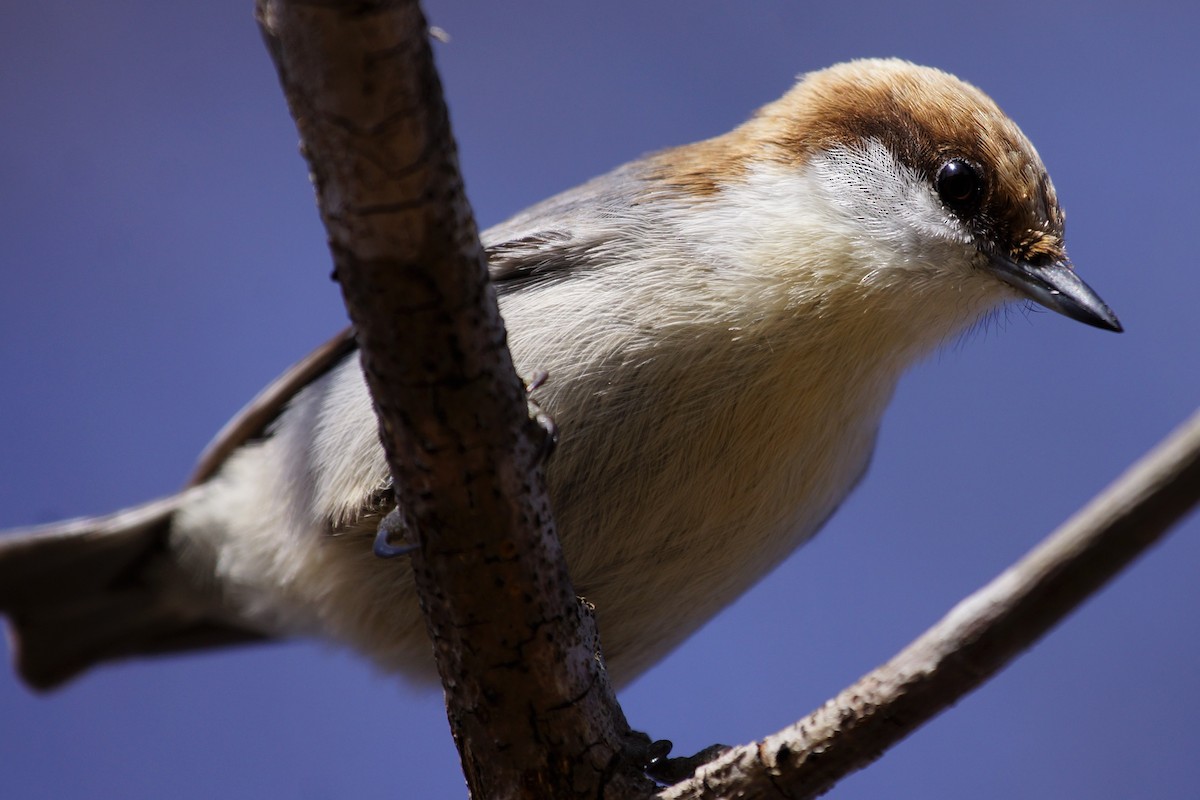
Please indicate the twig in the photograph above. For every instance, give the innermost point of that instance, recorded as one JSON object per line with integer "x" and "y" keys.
{"x": 976, "y": 639}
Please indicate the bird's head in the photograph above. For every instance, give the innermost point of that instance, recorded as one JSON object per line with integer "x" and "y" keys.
{"x": 886, "y": 174}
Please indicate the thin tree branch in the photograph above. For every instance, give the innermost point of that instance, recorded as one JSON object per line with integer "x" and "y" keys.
{"x": 971, "y": 643}
{"x": 529, "y": 702}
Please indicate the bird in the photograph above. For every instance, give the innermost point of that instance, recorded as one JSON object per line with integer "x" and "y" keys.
{"x": 722, "y": 325}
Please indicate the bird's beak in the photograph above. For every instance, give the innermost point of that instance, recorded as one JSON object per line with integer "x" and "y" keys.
{"x": 1058, "y": 288}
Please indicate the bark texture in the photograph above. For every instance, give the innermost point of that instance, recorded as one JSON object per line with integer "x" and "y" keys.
{"x": 529, "y": 702}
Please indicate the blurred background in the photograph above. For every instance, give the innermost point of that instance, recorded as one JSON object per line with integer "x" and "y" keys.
{"x": 162, "y": 260}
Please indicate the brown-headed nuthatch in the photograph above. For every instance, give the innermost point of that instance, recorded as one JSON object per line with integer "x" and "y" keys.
{"x": 723, "y": 325}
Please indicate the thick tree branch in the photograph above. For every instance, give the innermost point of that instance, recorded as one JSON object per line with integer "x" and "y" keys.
{"x": 529, "y": 701}
{"x": 975, "y": 640}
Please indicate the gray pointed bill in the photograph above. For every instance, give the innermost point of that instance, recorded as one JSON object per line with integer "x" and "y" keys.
{"x": 1058, "y": 288}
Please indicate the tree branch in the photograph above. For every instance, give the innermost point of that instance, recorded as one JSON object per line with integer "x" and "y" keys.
{"x": 528, "y": 699}
{"x": 971, "y": 643}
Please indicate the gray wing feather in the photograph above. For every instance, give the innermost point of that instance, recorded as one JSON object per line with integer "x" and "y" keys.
{"x": 548, "y": 241}
{"x": 562, "y": 234}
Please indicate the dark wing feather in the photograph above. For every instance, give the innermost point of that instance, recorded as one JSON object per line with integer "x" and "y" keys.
{"x": 537, "y": 258}
{"x": 256, "y": 416}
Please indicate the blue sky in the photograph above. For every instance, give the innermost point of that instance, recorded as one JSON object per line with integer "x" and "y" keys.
{"x": 162, "y": 260}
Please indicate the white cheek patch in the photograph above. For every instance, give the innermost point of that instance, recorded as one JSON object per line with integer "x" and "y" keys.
{"x": 853, "y": 228}
{"x": 851, "y": 215}
{"x": 887, "y": 200}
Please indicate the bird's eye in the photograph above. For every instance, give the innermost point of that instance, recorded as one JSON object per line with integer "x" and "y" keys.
{"x": 959, "y": 186}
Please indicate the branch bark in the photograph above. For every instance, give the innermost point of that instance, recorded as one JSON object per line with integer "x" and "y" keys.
{"x": 529, "y": 702}
{"x": 970, "y": 644}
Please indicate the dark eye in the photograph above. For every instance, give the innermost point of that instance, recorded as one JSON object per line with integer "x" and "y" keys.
{"x": 959, "y": 186}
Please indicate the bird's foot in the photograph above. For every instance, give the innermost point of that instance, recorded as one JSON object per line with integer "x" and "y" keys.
{"x": 668, "y": 771}
{"x": 543, "y": 420}
{"x": 393, "y": 527}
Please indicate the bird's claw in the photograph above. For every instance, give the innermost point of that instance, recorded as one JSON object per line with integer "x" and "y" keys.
{"x": 543, "y": 420}
{"x": 668, "y": 771}
{"x": 393, "y": 526}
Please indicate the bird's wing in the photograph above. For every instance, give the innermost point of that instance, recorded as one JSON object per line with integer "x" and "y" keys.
{"x": 546, "y": 242}
{"x": 563, "y": 235}
{"x": 533, "y": 258}
{"x": 256, "y": 416}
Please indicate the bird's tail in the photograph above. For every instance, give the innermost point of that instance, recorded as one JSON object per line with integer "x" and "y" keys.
{"x": 90, "y": 590}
